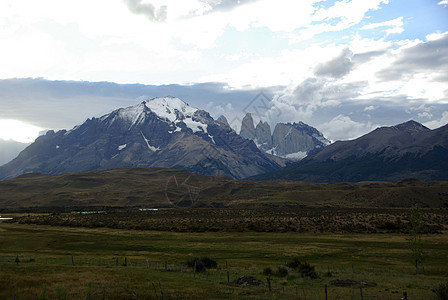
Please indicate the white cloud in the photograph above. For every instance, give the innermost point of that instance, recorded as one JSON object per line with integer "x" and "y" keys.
{"x": 443, "y": 2}
{"x": 342, "y": 127}
{"x": 396, "y": 24}
{"x": 369, "y": 108}
{"x": 438, "y": 123}
{"x": 18, "y": 131}
{"x": 345, "y": 13}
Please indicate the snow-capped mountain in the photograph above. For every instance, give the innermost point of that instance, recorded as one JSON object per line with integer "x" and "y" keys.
{"x": 162, "y": 132}
{"x": 291, "y": 140}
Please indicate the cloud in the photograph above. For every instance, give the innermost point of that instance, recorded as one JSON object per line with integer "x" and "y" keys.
{"x": 429, "y": 58}
{"x": 148, "y": 10}
{"x": 443, "y": 2}
{"x": 424, "y": 115}
{"x": 438, "y": 123}
{"x": 337, "y": 67}
{"x": 342, "y": 127}
{"x": 369, "y": 108}
{"x": 226, "y": 5}
{"x": 396, "y": 24}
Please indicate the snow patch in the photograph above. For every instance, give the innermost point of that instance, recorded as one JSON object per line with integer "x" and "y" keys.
{"x": 170, "y": 108}
{"x": 131, "y": 114}
{"x": 295, "y": 156}
{"x": 321, "y": 139}
{"x": 152, "y": 148}
{"x": 195, "y": 126}
{"x": 57, "y": 147}
{"x": 289, "y": 132}
{"x": 121, "y": 147}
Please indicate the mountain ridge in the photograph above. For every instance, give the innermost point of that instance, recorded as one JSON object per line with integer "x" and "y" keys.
{"x": 407, "y": 150}
{"x": 159, "y": 132}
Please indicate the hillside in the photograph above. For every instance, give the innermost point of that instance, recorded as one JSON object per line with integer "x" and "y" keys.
{"x": 169, "y": 187}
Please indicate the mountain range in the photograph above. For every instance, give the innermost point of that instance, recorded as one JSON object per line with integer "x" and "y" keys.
{"x": 291, "y": 140}
{"x": 408, "y": 150}
{"x": 167, "y": 132}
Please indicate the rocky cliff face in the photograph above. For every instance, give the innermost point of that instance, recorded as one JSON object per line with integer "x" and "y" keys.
{"x": 263, "y": 137}
{"x": 161, "y": 132}
{"x": 291, "y": 140}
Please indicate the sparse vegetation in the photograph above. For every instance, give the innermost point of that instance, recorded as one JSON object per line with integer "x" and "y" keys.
{"x": 441, "y": 291}
{"x": 244, "y": 220}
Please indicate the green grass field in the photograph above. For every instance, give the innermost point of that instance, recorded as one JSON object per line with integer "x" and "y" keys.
{"x": 45, "y": 269}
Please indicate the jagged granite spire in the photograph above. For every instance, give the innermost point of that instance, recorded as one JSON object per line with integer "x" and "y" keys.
{"x": 247, "y": 127}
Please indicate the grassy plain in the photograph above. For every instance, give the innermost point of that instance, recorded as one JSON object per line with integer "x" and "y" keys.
{"x": 45, "y": 270}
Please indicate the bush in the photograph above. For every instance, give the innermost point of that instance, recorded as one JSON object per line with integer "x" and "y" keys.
{"x": 282, "y": 272}
{"x": 267, "y": 271}
{"x": 305, "y": 269}
{"x": 295, "y": 264}
{"x": 441, "y": 291}
{"x": 202, "y": 263}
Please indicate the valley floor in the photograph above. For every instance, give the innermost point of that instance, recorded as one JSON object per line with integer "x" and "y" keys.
{"x": 53, "y": 262}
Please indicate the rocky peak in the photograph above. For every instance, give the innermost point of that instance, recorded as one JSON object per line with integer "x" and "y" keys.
{"x": 411, "y": 127}
{"x": 247, "y": 127}
{"x": 223, "y": 120}
{"x": 290, "y": 140}
{"x": 263, "y": 136}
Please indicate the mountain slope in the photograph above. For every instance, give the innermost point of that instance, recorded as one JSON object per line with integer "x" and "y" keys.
{"x": 161, "y": 132}
{"x": 408, "y": 150}
{"x": 9, "y": 150}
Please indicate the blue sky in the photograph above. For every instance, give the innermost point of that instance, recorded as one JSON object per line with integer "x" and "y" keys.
{"x": 344, "y": 67}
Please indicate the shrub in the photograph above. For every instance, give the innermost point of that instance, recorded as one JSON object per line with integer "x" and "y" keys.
{"x": 441, "y": 291}
{"x": 282, "y": 272}
{"x": 267, "y": 271}
{"x": 305, "y": 269}
{"x": 209, "y": 263}
{"x": 202, "y": 263}
{"x": 295, "y": 264}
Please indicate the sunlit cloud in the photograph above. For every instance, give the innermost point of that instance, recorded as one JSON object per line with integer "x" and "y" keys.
{"x": 18, "y": 131}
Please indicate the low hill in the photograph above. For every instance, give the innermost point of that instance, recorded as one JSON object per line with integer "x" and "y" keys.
{"x": 170, "y": 187}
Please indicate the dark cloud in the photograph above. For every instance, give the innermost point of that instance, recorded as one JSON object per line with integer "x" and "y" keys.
{"x": 337, "y": 67}
{"x": 147, "y": 9}
{"x": 318, "y": 91}
{"x": 428, "y": 57}
{"x": 361, "y": 58}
